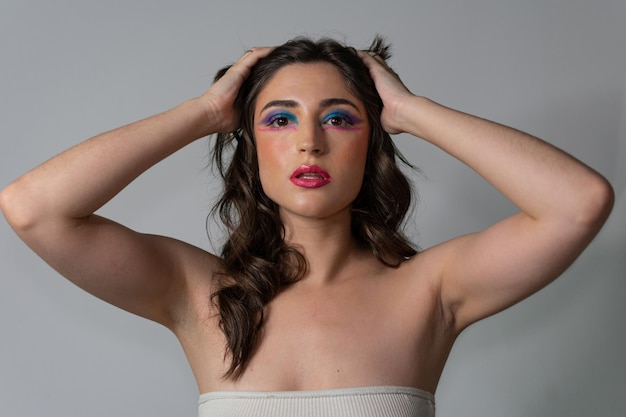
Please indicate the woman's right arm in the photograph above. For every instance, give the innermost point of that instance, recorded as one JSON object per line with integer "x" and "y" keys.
{"x": 51, "y": 207}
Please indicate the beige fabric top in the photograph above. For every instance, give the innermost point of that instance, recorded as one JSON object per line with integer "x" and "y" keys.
{"x": 385, "y": 401}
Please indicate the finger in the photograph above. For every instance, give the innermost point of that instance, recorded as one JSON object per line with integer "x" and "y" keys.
{"x": 375, "y": 63}
{"x": 381, "y": 62}
{"x": 365, "y": 56}
{"x": 249, "y": 59}
{"x": 371, "y": 60}
{"x": 252, "y": 55}
{"x": 379, "y": 59}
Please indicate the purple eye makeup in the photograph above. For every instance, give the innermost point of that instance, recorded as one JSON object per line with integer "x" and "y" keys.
{"x": 336, "y": 119}
{"x": 342, "y": 120}
{"x": 279, "y": 120}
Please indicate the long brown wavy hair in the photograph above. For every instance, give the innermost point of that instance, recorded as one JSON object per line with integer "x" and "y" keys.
{"x": 257, "y": 263}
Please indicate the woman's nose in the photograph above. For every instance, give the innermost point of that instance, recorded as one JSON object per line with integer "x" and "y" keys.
{"x": 311, "y": 140}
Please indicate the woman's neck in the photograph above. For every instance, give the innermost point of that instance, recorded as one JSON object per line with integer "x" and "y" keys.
{"x": 327, "y": 244}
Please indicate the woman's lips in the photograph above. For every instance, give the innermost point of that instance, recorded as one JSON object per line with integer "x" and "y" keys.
{"x": 310, "y": 176}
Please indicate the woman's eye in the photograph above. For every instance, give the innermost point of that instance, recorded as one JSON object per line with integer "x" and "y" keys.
{"x": 338, "y": 120}
{"x": 280, "y": 120}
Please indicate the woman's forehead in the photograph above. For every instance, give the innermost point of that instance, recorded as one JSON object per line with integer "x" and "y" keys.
{"x": 304, "y": 82}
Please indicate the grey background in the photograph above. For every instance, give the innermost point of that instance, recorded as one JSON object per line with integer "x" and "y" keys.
{"x": 72, "y": 69}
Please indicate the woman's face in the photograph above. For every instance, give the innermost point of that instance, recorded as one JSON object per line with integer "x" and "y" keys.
{"x": 311, "y": 135}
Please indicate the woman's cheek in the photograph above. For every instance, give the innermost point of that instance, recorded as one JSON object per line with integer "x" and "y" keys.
{"x": 271, "y": 157}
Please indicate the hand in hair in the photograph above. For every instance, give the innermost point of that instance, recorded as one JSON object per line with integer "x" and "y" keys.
{"x": 391, "y": 90}
{"x": 220, "y": 98}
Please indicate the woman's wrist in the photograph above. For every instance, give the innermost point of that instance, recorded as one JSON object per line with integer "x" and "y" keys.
{"x": 199, "y": 118}
{"x": 412, "y": 115}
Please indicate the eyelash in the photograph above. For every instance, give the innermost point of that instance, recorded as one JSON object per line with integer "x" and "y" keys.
{"x": 273, "y": 118}
{"x": 345, "y": 118}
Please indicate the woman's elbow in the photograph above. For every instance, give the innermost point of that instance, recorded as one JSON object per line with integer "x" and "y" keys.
{"x": 17, "y": 212}
{"x": 599, "y": 198}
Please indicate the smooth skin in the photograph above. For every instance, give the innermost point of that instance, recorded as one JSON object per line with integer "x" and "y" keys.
{"x": 351, "y": 321}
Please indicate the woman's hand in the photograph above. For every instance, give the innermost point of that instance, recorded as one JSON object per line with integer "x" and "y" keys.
{"x": 220, "y": 98}
{"x": 391, "y": 90}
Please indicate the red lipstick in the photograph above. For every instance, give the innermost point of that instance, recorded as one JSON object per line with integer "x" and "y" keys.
{"x": 310, "y": 176}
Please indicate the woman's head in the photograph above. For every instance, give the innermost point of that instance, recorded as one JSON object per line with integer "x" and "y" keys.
{"x": 311, "y": 136}
{"x": 385, "y": 195}
{"x": 257, "y": 260}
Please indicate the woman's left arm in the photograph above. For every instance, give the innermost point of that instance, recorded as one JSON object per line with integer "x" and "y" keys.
{"x": 563, "y": 202}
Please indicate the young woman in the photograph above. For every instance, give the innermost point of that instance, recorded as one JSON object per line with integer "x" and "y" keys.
{"x": 318, "y": 305}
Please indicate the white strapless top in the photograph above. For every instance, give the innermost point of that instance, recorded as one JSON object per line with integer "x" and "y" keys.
{"x": 384, "y": 401}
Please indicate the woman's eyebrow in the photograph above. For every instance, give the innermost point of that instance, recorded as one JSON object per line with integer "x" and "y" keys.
{"x": 329, "y": 102}
{"x": 280, "y": 103}
{"x": 335, "y": 101}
